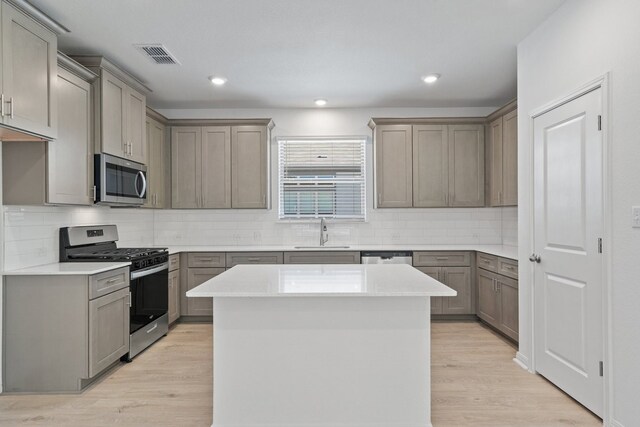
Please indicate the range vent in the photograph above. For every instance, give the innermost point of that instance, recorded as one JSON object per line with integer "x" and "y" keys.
{"x": 158, "y": 54}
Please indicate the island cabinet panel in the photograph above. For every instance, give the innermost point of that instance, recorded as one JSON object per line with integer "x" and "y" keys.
{"x": 498, "y": 294}
{"x": 394, "y": 166}
{"x": 430, "y": 166}
{"x": 195, "y": 277}
{"x": 236, "y": 258}
{"x": 28, "y": 70}
{"x": 321, "y": 257}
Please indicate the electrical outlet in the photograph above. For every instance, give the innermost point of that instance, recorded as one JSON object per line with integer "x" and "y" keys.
{"x": 635, "y": 216}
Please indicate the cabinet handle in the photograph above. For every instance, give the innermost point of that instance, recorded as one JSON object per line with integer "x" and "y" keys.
{"x": 486, "y": 261}
{"x": 442, "y": 258}
{"x": 11, "y": 107}
{"x": 253, "y": 259}
{"x": 2, "y": 105}
{"x": 94, "y": 193}
{"x": 114, "y": 280}
{"x": 379, "y": 198}
{"x": 206, "y": 259}
{"x": 129, "y": 303}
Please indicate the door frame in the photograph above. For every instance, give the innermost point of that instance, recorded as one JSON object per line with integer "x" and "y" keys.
{"x": 602, "y": 82}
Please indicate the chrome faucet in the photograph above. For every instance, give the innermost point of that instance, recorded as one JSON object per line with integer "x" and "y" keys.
{"x": 324, "y": 236}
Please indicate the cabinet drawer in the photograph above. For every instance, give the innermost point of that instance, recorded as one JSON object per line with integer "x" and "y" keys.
{"x": 107, "y": 282}
{"x": 235, "y": 258}
{"x": 206, "y": 259}
{"x": 488, "y": 262}
{"x": 322, "y": 257}
{"x": 508, "y": 268}
{"x": 174, "y": 262}
{"x": 441, "y": 259}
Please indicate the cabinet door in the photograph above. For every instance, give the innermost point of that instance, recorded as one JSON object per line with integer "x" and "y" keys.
{"x": 186, "y": 167}
{"x": 249, "y": 165}
{"x": 430, "y": 166}
{"x": 174, "y": 295}
{"x": 466, "y": 165}
{"x": 29, "y": 70}
{"x": 510, "y": 159}
{"x": 156, "y": 165}
{"x": 494, "y": 156}
{"x": 136, "y": 111}
{"x": 216, "y": 167}
{"x": 394, "y": 166}
{"x": 112, "y": 115}
{"x": 108, "y": 329}
{"x": 436, "y": 302}
{"x": 70, "y": 157}
{"x": 195, "y": 277}
{"x": 458, "y": 279}
{"x": 488, "y": 307}
{"x": 508, "y": 299}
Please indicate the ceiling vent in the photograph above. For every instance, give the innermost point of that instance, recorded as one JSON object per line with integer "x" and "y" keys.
{"x": 158, "y": 54}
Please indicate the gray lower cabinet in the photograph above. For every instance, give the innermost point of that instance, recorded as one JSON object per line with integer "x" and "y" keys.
{"x": 61, "y": 332}
{"x": 321, "y": 257}
{"x": 498, "y": 294}
{"x": 195, "y": 277}
{"x": 174, "y": 296}
{"x": 454, "y": 270}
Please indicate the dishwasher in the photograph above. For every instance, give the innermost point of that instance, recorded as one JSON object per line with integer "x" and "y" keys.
{"x": 387, "y": 257}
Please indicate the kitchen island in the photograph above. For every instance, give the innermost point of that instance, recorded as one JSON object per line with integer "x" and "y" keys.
{"x": 321, "y": 345}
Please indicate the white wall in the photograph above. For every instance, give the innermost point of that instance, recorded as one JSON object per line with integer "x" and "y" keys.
{"x": 581, "y": 41}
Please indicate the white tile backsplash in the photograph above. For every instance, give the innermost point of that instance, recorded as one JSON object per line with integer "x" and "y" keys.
{"x": 31, "y": 233}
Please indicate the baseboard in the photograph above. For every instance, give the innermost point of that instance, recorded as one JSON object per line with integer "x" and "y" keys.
{"x": 522, "y": 361}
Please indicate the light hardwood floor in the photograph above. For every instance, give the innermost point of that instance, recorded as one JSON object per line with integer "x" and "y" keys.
{"x": 475, "y": 383}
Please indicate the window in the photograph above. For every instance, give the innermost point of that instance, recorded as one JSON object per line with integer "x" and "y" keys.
{"x": 322, "y": 178}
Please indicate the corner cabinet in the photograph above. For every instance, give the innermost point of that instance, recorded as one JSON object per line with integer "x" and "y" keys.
{"x": 58, "y": 172}
{"x": 502, "y": 158}
{"x": 28, "y": 71}
{"x": 220, "y": 167}
{"x": 429, "y": 164}
{"x": 120, "y": 105}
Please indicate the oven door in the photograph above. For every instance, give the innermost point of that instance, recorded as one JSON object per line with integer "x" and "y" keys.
{"x": 149, "y": 295}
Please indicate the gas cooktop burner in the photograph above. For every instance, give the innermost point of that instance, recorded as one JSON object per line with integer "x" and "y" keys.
{"x": 117, "y": 254}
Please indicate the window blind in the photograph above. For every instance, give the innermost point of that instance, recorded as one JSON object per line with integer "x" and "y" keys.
{"x": 322, "y": 178}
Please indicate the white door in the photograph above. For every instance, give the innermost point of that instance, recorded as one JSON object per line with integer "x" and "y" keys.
{"x": 568, "y": 202}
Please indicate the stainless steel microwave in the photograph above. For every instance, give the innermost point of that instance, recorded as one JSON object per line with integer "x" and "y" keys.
{"x": 119, "y": 182}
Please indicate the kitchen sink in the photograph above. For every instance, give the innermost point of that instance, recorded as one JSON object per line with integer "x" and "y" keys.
{"x": 321, "y": 247}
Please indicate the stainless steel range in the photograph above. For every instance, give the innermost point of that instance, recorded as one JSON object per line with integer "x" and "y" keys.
{"x": 149, "y": 278}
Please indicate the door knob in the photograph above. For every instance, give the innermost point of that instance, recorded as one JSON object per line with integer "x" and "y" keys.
{"x": 535, "y": 258}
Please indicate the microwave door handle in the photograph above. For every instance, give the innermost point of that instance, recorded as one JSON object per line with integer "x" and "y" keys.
{"x": 144, "y": 184}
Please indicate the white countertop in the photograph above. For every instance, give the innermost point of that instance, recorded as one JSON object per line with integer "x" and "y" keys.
{"x": 321, "y": 280}
{"x": 504, "y": 251}
{"x": 67, "y": 269}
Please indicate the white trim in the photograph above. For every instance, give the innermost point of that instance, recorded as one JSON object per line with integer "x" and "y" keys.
{"x": 614, "y": 423}
{"x": 41, "y": 17}
{"x": 522, "y": 361}
{"x": 601, "y": 82}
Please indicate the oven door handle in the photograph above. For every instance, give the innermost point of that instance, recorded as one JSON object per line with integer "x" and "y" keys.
{"x": 155, "y": 269}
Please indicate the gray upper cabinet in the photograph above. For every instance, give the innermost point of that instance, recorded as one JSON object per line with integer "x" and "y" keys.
{"x": 430, "y": 166}
{"x": 502, "y": 158}
{"x": 394, "y": 166}
{"x": 216, "y": 167}
{"x": 466, "y": 165}
{"x": 186, "y": 164}
{"x": 60, "y": 171}
{"x": 156, "y": 167}
{"x": 120, "y": 110}
{"x": 220, "y": 167}
{"x": 249, "y": 166}
{"x": 28, "y": 71}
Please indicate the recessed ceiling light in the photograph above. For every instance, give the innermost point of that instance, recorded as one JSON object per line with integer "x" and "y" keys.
{"x": 431, "y": 78}
{"x": 218, "y": 81}
{"x": 321, "y": 102}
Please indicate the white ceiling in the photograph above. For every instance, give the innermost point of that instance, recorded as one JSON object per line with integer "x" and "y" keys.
{"x": 286, "y": 53}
